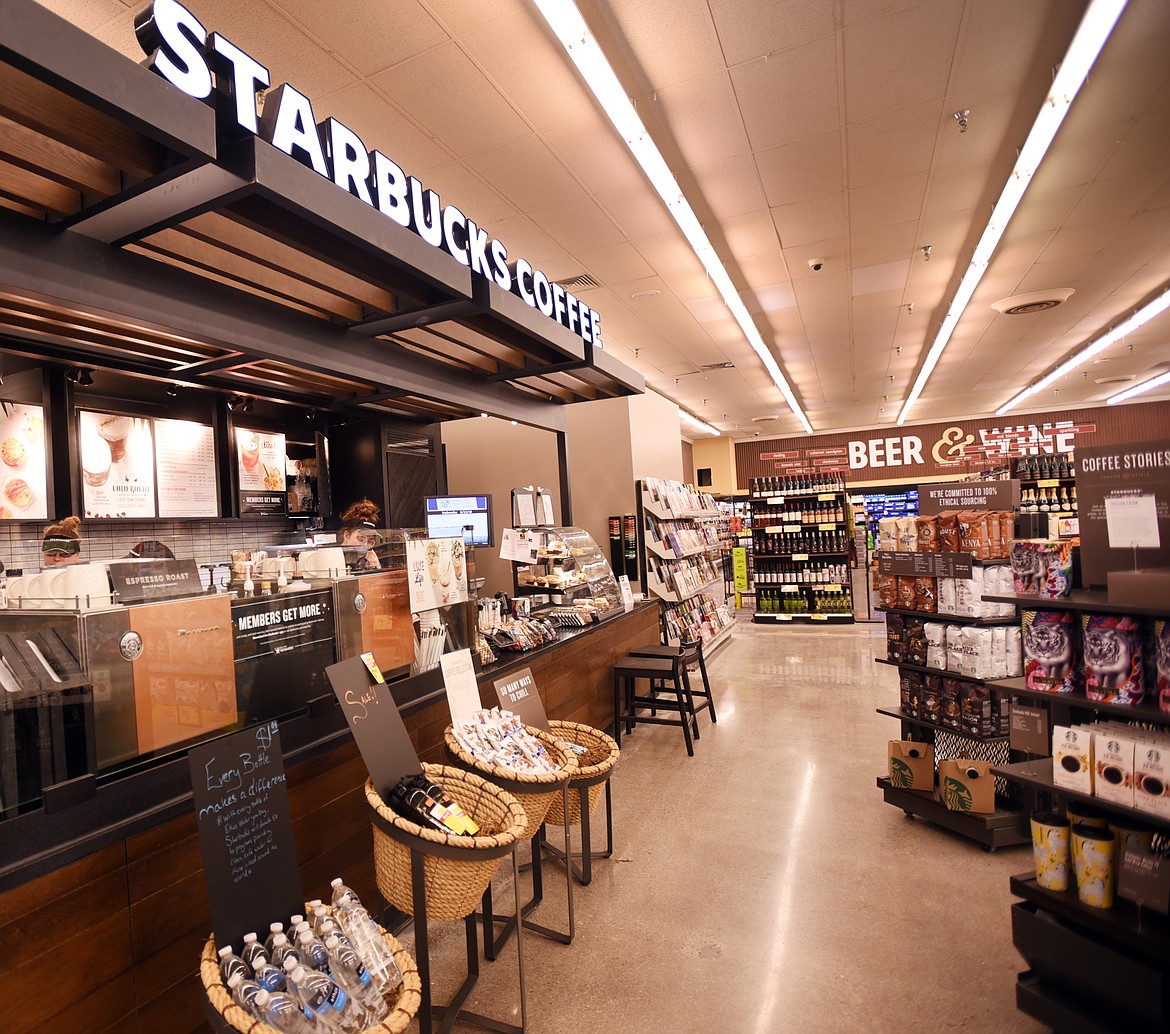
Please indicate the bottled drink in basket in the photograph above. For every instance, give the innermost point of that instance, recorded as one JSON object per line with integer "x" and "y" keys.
{"x": 282, "y": 950}
{"x": 363, "y": 934}
{"x": 327, "y": 1001}
{"x": 268, "y": 976}
{"x": 312, "y": 949}
{"x": 244, "y": 993}
{"x": 230, "y": 964}
{"x": 273, "y": 930}
{"x": 348, "y": 971}
{"x": 283, "y": 1012}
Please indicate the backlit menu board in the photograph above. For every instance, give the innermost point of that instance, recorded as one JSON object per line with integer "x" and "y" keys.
{"x": 117, "y": 465}
{"x": 23, "y": 486}
{"x": 185, "y": 461}
{"x": 260, "y": 465}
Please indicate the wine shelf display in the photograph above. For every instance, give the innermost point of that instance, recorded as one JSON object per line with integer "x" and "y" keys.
{"x": 680, "y": 560}
{"x": 800, "y": 543}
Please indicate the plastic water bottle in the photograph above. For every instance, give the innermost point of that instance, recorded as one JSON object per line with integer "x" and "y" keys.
{"x": 268, "y": 976}
{"x": 273, "y": 930}
{"x": 284, "y": 1013}
{"x": 244, "y": 993}
{"x": 363, "y": 934}
{"x": 327, "y": 1001}
{"x": 346, "y": 967}
{"x": 282, "y": 951}
{"x": 330, "y": 929}
{"x": 312, "y": 949}
{"x": 230, "y": 964}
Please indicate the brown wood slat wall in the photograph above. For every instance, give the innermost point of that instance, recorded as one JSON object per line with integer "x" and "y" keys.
{"x": 111, "y": 943}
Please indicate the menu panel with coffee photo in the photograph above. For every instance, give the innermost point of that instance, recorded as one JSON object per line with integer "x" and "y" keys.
{"x": 437, "y": 572}
{"x": 117, "y": 465}
{"x": 23, "y": 486}
{"x": 260, "y": 461}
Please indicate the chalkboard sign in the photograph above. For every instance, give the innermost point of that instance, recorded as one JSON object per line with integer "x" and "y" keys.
{"x": 245, "y": 833}
{"x": 518, "y": 694}
{"x": 373, "y": 718}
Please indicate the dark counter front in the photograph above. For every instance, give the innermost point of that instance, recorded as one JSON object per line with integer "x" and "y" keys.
{"x": 125, "y": 898}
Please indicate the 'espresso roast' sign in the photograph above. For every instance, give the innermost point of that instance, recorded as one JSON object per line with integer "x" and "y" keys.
{"x": 201, "y": 63}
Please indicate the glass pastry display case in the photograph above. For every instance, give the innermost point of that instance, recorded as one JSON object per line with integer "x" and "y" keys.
{"x": 571, "y": 570}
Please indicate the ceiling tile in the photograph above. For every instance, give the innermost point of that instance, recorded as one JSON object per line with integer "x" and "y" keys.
{"x": 791, "y": 95}
{"x": 765, "y": 268}
{"x": 524, "y": 239}
{"x": 890, "y": 276}
{"x": 383, "y": 127}
{"x": 750, "y": 233}
{"x": 590, "y": 146}
{"x": 461, "y": 18}
{"x": 731, "y": 186}
{"x": 822, "y": 296}
{"x": 888, "y": 244}
{"x": 772, "y": 298}
{"x": 527, "y": 173}
{"x": 673, "y": 40}
{"x": 578, "y": 226}
{"x": 374, "y": 37}
{"x": 893, "y": 146}
{"x": 887, "y": 203}
{"x": 702, "y": 117}
{"x": 443, "y": 89}
{"x": 752, "y": 30}
{"x": 804, "y": 170}
{"x": 899, "y": 60}
{"x": 669, "y": 253}
{"x": 811, "y": 220}
{"x": 638, "y": 214}
{"x": 615, "y": 263}
{"x": 90, "y": 15}
{"x": 457, "y": 185}
{"x": 1104, "y": 200}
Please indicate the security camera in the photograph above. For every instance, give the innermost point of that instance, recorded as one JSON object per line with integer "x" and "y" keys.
{"x": 816, "y": 265}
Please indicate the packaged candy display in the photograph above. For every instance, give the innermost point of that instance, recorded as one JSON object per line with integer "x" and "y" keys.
{"x": 1042, "y": 568}
{"x": 417, "y": 798}
{"x": 499, "y": 738}
{"x": 1113, "y": 658}
{"x": 1052, "y": 657}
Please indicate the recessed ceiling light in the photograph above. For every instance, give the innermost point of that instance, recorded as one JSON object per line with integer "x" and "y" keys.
{"x": 1033, "y": 301}
{"x": 639, "y": 295}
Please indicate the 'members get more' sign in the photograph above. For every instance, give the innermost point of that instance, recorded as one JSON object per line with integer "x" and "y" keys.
{"x": 201, "y": 63}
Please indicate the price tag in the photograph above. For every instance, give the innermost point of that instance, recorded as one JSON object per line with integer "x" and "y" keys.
{"x": 1145, "y": 878}
{"x": 1029, "y": 729}
{"x": 819, "y": 617}
{"x": 627, "y": 593}
{"x": 799, "y": 556}
{"x": 776, "y": 501}
{"x": 790, "y": 588}
{"x": 782, "y": 617}
{"x": 461, "y": 685}
{"x": 832, "y": 588}
{"x": 773, "y": 529}
{"x": 826, "y": 497}
{"x": 1048, "y": 483}
{"x": 827, "y": 527}
{"x": 791, "y": 527}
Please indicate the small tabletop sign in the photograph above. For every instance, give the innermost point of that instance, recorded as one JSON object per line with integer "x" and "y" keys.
{"x": 373, "y": 718}
{"x": 519, "y": 546}
{"x": 518, "y": 694}
{"x": 1145, "y": 878}
{"x": 627, "y": 593}
{"x": 1132, "y": 521}
{"x": 546, "y": 509}
{"x": 462, "y": 689}
{"x": 525, "y": 508}
{"x": 1029, "y": 730}
{"x": 245, "y": 832}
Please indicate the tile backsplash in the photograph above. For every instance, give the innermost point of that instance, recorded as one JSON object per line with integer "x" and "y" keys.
{"x": 205, "y": 541}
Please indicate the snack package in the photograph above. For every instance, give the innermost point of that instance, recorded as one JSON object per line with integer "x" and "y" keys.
{"x": 1051, "y": 651}
{"x": 907, "y": 592}
{"x": 926, "y": 593}
{"x": 914, "y": 650}
{"x": 1113, "y": 658}
{"x": 1162, "y": 658}
{"x": 948, "y": 531}
{"x": 887, "y": 591}
{"x": 895, "y": 637}
{"x": 888, "y": 533}
{"x": 927, "y": 534}
{"x": 907, "y": 534}
{"x": 946, "y": 596}
{"x": 936, "y": 645}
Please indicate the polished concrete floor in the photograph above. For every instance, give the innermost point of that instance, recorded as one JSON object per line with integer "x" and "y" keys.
{"x": 763, "y": 886}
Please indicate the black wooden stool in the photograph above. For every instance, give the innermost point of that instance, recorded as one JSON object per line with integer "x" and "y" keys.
{"x": 626, "y": 701}
{"x": 689, "y": 654}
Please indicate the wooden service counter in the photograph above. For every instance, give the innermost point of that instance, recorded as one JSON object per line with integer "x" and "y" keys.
{"x": 111, "y": 927}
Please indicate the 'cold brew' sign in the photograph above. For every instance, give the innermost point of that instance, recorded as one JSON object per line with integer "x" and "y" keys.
{"x": 201, "y": 63}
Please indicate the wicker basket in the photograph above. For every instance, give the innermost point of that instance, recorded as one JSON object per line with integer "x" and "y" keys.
{"x": 534, "y": 790}
{"x": 234, "y": 1018}
{"x": 592, "y": 776}
{"x": 453, "y": 885}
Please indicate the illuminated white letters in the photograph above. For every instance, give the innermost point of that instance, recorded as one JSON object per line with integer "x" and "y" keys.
{"x": 238, "y": 77}
{"x": 351, "y": 163}
{"x": 174, "y": 38}
{"x": 288, "y": 124}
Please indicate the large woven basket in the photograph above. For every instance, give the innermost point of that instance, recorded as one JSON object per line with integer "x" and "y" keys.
{"x": 453, "y": 885}
{"x": 592, "y": 776}
{"x": 534, "y": 790}
{"x": 234, "y": 1018}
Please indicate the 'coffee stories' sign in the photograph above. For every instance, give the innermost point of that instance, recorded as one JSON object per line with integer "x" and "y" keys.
{"x": 205, "y": 65}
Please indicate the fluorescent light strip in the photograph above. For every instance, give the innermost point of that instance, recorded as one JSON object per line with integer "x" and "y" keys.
{"x": 1082, "y": 52}
{"x": 570, "y": 28}
{"x": 701, "y": 425}
{"x": 1143, "y": 315}
{"x": 1139, "y": 389}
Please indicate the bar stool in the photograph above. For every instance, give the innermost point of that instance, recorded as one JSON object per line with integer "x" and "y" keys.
{"x": 690, "y": 654}
{"x": 626, "y": 701}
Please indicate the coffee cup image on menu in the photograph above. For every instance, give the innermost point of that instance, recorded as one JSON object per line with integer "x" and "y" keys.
{"x": 115, "y": 430}
{"x": 249, "y": 449}
{"x": 432, "y": 554}
{"x": 96, "y": 457}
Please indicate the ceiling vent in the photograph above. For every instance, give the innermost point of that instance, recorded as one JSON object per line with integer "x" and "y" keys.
{"x": 764, "y": 419}
{"x": 1033, "y": 301}
{"x": 581, "y": 282}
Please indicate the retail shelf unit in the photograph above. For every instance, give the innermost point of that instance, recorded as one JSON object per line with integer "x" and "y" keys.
{"x": 1047, "y": 484}
{"x": 681, "y": 561}
{"x": 1107, "y": 968}
{"x": 800, "y": 546}
{"x": 570, "y": 567}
